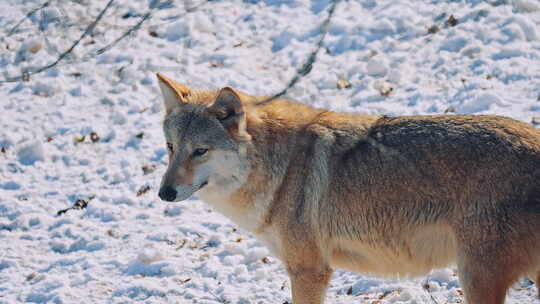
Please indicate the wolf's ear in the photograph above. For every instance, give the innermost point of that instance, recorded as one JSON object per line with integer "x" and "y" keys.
{"x": 228, "y": 109}
{"x": 174, "y": 93}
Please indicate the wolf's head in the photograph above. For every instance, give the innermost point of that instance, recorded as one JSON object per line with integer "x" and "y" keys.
{"x": 206, "y": 137}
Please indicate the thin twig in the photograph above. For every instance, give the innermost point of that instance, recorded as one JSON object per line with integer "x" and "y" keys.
{"x": 125, "y": 34}
{"x": 132, "y": 30}
{"x": 221, "y": 300}
{"x": 425, "y": 286}
{"x": 148, "y": 15}
{"x": 88, "y": 30}
{"x": 138, "y": 25}
{"x": 28, "y": 15}
{"x": 306, "y": 68}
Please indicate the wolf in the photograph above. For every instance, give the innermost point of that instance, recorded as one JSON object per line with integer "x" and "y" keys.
{"x": 366, "y": 193}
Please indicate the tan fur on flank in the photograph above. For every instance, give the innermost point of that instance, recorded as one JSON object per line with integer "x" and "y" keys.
{"x": 366, "y": 193}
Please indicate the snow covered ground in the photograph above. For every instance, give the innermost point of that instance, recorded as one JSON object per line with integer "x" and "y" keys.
{"x": 88, "y": 131}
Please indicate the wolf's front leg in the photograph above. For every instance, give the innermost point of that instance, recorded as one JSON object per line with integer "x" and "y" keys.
{"x": 309, "y": 276}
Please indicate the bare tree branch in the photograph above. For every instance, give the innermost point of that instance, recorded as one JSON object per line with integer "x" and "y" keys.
{"x": 132, "y": 30}
{"x": 61, "y": 57}
{"x": 28, "y": 15}
{"x": 306, "y": 68}
{"x": 148, "y": 15}
{"x": 303, "y": 71}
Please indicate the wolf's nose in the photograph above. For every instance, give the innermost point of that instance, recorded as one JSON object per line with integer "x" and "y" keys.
{"x": 167, "y": 193}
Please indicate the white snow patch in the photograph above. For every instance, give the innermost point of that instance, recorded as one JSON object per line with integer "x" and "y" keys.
{"x": 442, "y": 275}
{"x": 177, "y": 30}
{"x": 30, "y": 152}
{"x": 526, "y": 5}
{"x": 481, "y": 103}
{"x": 529, "y": 28}
{"x": 377, "y": 67}
{"x": 150, "y": 263}
{"x": 454, "y": 44}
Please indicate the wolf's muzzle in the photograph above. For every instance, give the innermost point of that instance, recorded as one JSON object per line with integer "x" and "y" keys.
{"x": 167, "y": 193}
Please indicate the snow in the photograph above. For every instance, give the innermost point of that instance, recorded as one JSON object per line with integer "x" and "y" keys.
{"x": 481, "y": 103}
{"x": 526, "y": 5}
{"x": 399, "y": 57}
{"x": 149, "y": 263}
{"x": 376, "y": 68}
{"x": 177, "y": 30}
{"x": 30, "y": 152}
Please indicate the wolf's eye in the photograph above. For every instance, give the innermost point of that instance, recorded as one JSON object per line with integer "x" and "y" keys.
{"x": 169, "y": 147}
{"x": 199, "y": 152}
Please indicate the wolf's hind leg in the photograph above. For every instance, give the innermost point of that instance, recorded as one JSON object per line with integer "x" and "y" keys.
{"x": 485, "y": 280}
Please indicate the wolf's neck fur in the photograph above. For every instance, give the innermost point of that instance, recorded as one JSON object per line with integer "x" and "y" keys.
{"x": 274, "y": 141}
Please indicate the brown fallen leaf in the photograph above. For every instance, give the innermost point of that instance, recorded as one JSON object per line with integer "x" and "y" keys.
{"x": 35, "y": 48}
{"x": 216, "y": 64}
{"x": 79, "y": 139}
{"x": 147, "y": 169}
{"x": 31, "y": 276}
{"x": 94, "y": 137}
{"x": 343, "y": 84}
{"x": 143, "y": 110}
{"x": 433, "y": 29}
{"x": 143, "y": 190}
{"x": 452, "y": 21}
{"x": 182, "y": 244}
{"x": 387, "y": 92}
{"x": 113, "y": 233}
